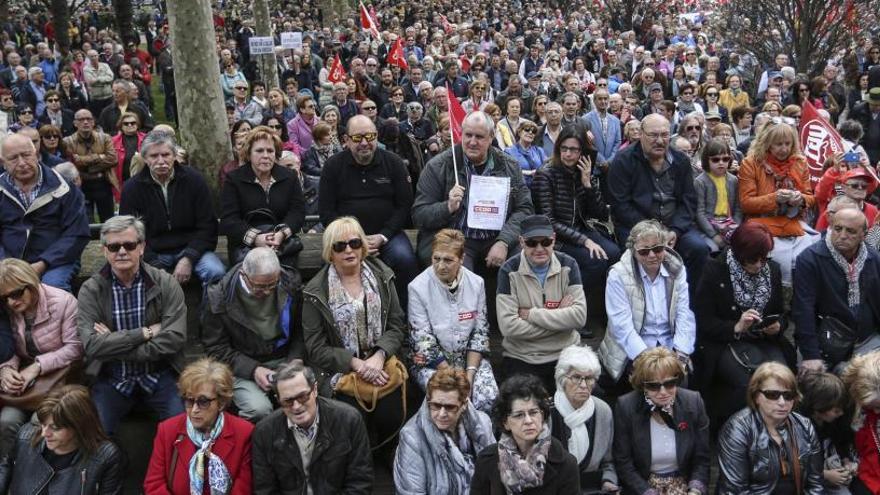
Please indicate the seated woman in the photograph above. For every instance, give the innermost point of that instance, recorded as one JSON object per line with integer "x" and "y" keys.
{"x": 582, "y": 422}
{"x": 661, "y": 432}
{"x": 353, "y": 322}
{"x": 826, "y": 403}
{"x": 439, "y": 444}
{"x": 529, "y": 156}
{"x": 718, "y": 210}
{"x": 205, "y": 449}
{"x": 767, "y": 447}
{"x": 863, "y": 383}
{"x": 527, "y": 459}
{"x": 439, "y": 342}
{"x": 43, "y": 323}
{"x": 634, "y": 322}
{"x": 505, "y": 128}
{"x": 774, "y": 189}
{"x": 739, "y": 310}
{"x": 567, "y": 192}
{"x": 67, "y": 452}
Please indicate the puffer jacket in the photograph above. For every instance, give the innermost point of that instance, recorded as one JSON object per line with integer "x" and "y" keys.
{"x": 54, "y": 331}
{"x": 424, "y": 464}
{"x": 558, "y": 193}
{"x": 25, "y": 471}
{"x": 749, "y": 460}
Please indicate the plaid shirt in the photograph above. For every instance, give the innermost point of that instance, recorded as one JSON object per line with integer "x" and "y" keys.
{"x": 26, "y": 198}
{"x": 128, "y": 308}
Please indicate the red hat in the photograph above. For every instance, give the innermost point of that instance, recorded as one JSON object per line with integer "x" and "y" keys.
{"x": 861, "y": 173}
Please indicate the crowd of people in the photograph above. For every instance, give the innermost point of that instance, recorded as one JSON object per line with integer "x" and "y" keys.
{"x": 646, "y": 175}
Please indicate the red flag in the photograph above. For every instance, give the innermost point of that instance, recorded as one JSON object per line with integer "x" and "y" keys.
{"x": 395, "y": 55}
{"x": 337, "y": 72}
{"x": 456, "y": 115}
{"x": 375, "y": 17}
{"x": 446, "y": 25}
{"x": 819, "y": 139}
{"x": 368, "y": 23}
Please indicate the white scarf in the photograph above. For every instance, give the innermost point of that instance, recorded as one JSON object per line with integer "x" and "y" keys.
{"x": 576, "y": 420}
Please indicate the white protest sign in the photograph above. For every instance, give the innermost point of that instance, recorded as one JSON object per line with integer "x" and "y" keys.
{"x": 487, "y": 202}
{"x": 262, "y": 45}
{"x": 292, "y": 40}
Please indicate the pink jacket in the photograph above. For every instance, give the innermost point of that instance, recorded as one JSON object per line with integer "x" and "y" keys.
{"x": 54, "y": 331}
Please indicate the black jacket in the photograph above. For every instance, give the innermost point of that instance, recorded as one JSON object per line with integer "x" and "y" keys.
{"x": 186, "y": 223}
{"x": 25, "y": 471}
{"x": 228, "y": 335}
{"x": 561, "y": 473}
{"x": 632, "y": 440}
{"x": 558, "y": 193}
{"x": 341, "y": 461}
{"x": 820, "y": 289}
{"x": 67, "y": 127}
{"x": 242, "y": 195}
{"x": 631, "y": 187}
{"x": 110, "y": 116}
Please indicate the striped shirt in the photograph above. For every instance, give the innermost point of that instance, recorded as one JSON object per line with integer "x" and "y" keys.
{"x": 128, "y": 309}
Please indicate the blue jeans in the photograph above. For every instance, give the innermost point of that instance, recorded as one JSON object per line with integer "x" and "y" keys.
{"x": 60, "y": 276}
{"x": 209, "y": 268}
{"x": 593, "y": 270}
{"x": 398, "y": 254}
{"x": 113, "y": 406}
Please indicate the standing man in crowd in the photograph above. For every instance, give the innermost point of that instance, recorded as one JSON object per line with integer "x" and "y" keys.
{"x": 94, "y": 155}
{"x": 99, "y": 80}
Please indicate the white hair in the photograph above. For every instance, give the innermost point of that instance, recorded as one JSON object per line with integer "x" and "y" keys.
{"x": 480, "y": 118}
{"x": 579, "y": 358}
{"x": 261, "y": 261}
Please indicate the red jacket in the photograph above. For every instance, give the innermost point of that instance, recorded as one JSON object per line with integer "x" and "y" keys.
{"x": 233, "y": 446}
{"x": 869, "y": 458}
{"x": 120, "y": 158}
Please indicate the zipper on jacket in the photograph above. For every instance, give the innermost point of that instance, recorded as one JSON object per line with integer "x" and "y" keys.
{"x": 82, "y": 484}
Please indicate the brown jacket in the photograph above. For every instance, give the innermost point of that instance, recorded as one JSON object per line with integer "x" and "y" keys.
{"x": 94, "y": 160}
{"x": 757, "y": 195}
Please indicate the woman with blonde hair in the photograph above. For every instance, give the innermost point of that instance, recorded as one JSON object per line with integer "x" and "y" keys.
{"x": 862, "y": 379}
{"x": 775, "y": 190}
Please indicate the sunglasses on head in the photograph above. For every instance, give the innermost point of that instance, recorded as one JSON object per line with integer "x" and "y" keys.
{"x": 356, "y": 243}
{"x": 116, "y": 246}
{"x": 659, "y": 248}
{"x": 16, "y": 294}
{"x": 656, "y": 386}
{"x": 788, "y": 395}
{"x": 533, "y": 243}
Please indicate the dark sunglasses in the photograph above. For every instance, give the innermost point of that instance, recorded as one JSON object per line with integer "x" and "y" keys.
{"x": 356, "y": 243}
{"x": 369, "y": 108}
{"x": 275, "y": 126}
{"x": 16, "y": 294}
{"x": 52, "y": 100}
{"x": 788, "y": 395}
{"x": 202, "y": 402}
{"x": 437, "y": 407}
{"x": 129, "y": 123}
{"x": 52, "y": 136}
{"x": 659, "y": 248}
{"x": 26, "y": 112}
{"x": 693, "y": 128}
{"x": 857, "y": 185}
{"x": 533, "y": 243}
{"x": 656, "y": 386}
{"x": 719, "y": 159}
{"x": 711, "y": 94}
{"x": 116, "y": 246}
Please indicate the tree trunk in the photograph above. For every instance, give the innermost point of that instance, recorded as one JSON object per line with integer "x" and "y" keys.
{"x": 263, "y": 27}
{"x": 124, "y": 20}
{"x": 200, "y": 107}
{"x": 4, "y": 9}
{"x": 60, "y": 20}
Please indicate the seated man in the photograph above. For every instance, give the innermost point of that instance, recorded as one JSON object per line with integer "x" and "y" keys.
{"x": 312, "y": 444}
{"x": 651, "y": 180}
{"x": 177, "y": 209}
{"x": 372, "y": 185}
{"x": 837, "y": 278}
{"x": 444, "y": 200}
{"x": 251, "y": 321}
{"x": 42, "y": 219}
{"x": 540, "y": 303}
{"x": 132, "y": 323}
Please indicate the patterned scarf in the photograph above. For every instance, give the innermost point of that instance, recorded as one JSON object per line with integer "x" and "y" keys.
{"x": 665, "y": 412}
{"x": 462, "y": 456}
{"x": 219, "y": 481}
{"x": 358, "y": 336}
{"x": 850, "y": 270}
{"x": 576, "y": 420}
{"x": 324, "y": 151}
{"x": 517, "y": 473}
{"x": 749, "y": 291}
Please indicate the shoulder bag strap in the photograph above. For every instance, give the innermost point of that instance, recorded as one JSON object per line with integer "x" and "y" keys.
{"x": 795, "y": 460}
{"x": 173, "y": 466}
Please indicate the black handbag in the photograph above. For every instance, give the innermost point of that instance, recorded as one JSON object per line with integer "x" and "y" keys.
{"x": 836, "y": 340}
{"x": 264, "y": 220}
{"x": 747, "y": 354}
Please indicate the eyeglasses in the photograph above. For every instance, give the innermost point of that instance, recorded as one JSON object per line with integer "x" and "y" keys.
{"x": 659, "y": 248}
{"x": 116, "y": 246}
{"x": 788, "y": 395}
{"x": 310, "y": 105}
{"x": 26, "y": 112}
{"x": 719, "y": 159}
{"x": 260, "y": 287}
{"x": 656, "y": 386}
{"x": 302, "y": 398}
{"x": 128, "y": 124}
{"x": 711, "y": 94}
{"x": 354, "y": 244}
{"x": 533, "y": 243}
{"x": 656, "y": 136}
{"x": 202, "y": 402}
{"x": 370, "y": 136}
{"x": 569, "y": 149}
{"x": 397, "y": 94}
{"x": 275, "y": 126}
{"x": 438, "y": 406}
{"x": 242, "y": 88}
{"x": 530, "y": 130}
{"x": 521, "y": 415}
{"x": 693, "y": 128}
{"x": 581, "y": 379}
{"x": 369, "y": 108}
{"x": 861, "y": 186}
{"x": 16, "y": 294}
{"x": 602, "y": 85}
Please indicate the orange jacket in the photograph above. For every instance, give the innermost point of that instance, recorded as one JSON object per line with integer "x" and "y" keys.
{"x": 757, "y": 195}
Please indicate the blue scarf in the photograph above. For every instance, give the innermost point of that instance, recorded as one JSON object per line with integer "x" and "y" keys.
{"x": 219, "y": 481}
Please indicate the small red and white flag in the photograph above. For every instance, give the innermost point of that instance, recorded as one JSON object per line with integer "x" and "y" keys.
{"x": 337, "y": 71}
{"x": 368, "y": 22}
{"x": 446, "y": 25}
{"x": 375, "y": 17}
{"x": 395, "y": 55}
{"x": 456, "y": 115}
{"x": 819, "y": 140}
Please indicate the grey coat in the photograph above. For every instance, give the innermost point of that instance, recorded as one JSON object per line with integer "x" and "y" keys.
{"x": 601, "y": 456}
{"x": 706, "y": 198}
{"x": 423, "y": 464}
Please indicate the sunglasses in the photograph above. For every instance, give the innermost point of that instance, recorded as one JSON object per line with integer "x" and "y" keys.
{"x": 299, "y": 398}
{"x": 26, "y": 112}
{"x": 116, "y": 246}
{"x": 129, "y": 123}
{"x": 52, "y": 100}
{"x": 533, "y": 243}
{"x": 693, "y": 128}
{"x": 719, "y": 159}
{"x": 857, "y": 185}
{"x": 437, "y": 407}
{"x": 659, "y": 248}
{"x": 530, "y": 131}
{"x": 788, "y": 395}
{"x": 52, "y": 136}
{"x": 656, "y": 386}
{"x": 369, "y": 108}
{"x": 202, "y": 402}
{"x": 339, "y": 246}
{"x": 16, "y": 294}
{"x": 370, "y": 136}
{"x": 241, "y": 88}
{"x": 711, "y": 94}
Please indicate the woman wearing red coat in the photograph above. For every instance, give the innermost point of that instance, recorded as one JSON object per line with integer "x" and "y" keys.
{"x": 862, "y": 378}
{"x": 127, "y": 143}
{"x": 204, "y": 450}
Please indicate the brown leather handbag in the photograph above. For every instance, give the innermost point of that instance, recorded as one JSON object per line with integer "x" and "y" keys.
{"x": 30, "y": 399}
{"x": 366, "y": 394}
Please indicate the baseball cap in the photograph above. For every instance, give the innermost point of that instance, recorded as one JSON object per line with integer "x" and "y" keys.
{"x": 536, "y": 226}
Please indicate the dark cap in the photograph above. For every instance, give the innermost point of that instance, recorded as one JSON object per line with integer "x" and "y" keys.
{"x": 536, "y": 226}
{"x": 874, "y": 95}
{"x": 533, "y": 75}
{"x": 655, "y": 87}
{"x": 775, "y": 75}
{"x": 712, "y": 114}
